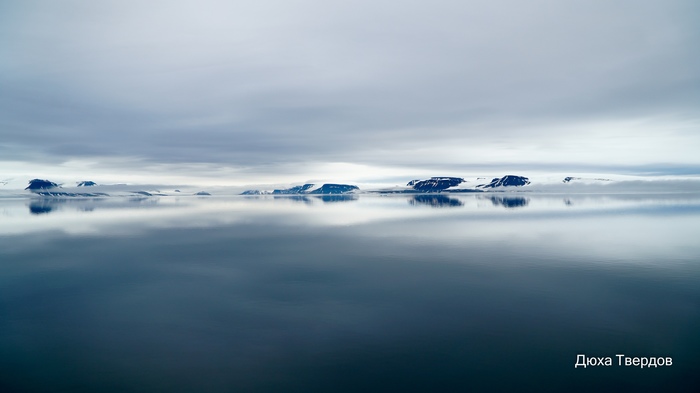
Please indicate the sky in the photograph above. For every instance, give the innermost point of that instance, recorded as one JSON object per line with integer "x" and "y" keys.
{"x": 282, "y": 91}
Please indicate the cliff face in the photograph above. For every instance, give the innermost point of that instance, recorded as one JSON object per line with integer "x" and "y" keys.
{"x": 507, "y": 181}
{"x": 39, "y": 184}
{"x": 294, "y": 190}
{"x": 308, "y": 189}
{"x": 335, "y": 189}
{"x": 435, "y": 184}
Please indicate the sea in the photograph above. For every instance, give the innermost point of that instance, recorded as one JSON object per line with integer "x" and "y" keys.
{"x": 487, "y": 292}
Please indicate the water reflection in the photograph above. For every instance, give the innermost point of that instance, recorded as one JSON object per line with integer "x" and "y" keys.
{"x": 309, "y": 199}
{"x": 435, "y": 200}
{"x": 338, "y": 198}
{"x": 38, "y": 206}
{"x": 41, "y": 206}
{"x": 268, "y": 295}
{"x": 45, "y": 205}
{"x": 294, "y": 198}
{"x": 328, "y": 210}
{"x": 509, "y": 201}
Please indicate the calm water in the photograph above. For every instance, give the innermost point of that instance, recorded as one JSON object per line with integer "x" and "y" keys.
{"x": 398, "y": 293}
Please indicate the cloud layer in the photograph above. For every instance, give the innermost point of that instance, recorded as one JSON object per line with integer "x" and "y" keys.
{"x": 276, "y": 86}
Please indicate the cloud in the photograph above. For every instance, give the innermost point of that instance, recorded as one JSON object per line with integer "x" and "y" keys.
{"x": 385, "y": 84}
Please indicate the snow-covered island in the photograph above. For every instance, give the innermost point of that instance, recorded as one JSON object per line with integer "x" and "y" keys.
{"x": 309, "y": 188}
{"x": 564, "y": 183}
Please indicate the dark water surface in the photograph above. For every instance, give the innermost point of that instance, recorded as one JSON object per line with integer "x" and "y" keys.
{"x": 432, "y": 293}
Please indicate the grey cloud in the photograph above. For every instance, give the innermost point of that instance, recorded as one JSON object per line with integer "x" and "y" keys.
{"x": 286, "y": 82}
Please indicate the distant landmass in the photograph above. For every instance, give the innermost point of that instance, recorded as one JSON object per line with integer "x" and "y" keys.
{"x": 432, "y": 185}
{"x": 335, "y": 189}
{"x": 71, "y": 194}
{"x": 308, "y": 188}
{"x": 47, "y": 188}
{"x": 435, "y": 184}
{"x": 294, "y": 190}
{"x": 507, "y": 181}
{"x": 39, "y": 184}
{"x": 254, "y": 192}
{"x": 458, "y": 185}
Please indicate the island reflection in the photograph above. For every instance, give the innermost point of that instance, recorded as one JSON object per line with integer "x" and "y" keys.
{"x": 435, "y": 200}
{"x": 509, "y": 201}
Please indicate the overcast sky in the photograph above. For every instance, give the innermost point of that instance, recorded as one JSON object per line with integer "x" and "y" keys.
{"x": 275, "y": 91}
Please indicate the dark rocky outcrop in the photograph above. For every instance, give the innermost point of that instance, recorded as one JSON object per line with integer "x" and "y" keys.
{"x": 335, "y": 189}
{"x": 48, "y": 188}
{"x": 294, "y": 190}
{"x": 507, "y": 181}
{"x": 87, "y": 183}
{"x": 306, "y": 189}
{"x": 435, "y": 184}
{"x": 203, "y": 193}
{"x": 39, "y": 184}
{"x": 463, "y": 190}
{"x": 71, "y": 194}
